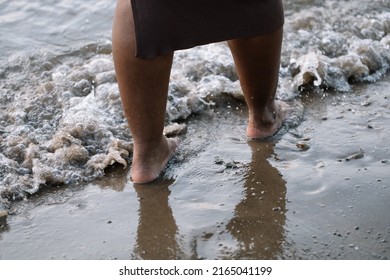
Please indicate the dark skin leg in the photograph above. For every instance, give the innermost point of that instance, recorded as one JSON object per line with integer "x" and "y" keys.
{"x": 143, "y": 85}
{"x": 257, "y": 60}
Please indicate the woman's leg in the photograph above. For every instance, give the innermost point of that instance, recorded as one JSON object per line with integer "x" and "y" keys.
{"x": 143, "y": 86}
{"x": 257, "y": 60}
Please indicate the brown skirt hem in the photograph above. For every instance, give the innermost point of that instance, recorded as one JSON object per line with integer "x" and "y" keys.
{"x": 162, "y": 27}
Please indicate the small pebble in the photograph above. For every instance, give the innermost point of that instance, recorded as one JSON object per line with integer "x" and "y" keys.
{"x": 303, "y": 146}
{"x": 218, "y": 160}
{"x": 3, "y": 217}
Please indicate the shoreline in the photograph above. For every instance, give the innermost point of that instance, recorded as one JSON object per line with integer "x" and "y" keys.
{"x": 226, "y": 198}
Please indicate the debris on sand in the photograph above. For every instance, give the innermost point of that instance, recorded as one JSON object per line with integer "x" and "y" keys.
{"x": 3, "y": 218}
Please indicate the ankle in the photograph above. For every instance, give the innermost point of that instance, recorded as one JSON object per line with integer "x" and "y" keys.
{"x": 147, "y": 147}
{"x": 264, "y": 117}
{"x": 266, "y": 122}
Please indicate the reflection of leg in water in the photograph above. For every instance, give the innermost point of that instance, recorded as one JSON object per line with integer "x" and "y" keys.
{"x": 259, "y": 218}
{"x": 157, "y": 230}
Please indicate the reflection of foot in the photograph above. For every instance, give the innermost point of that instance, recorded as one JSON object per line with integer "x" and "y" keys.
{"x": 146, "y": 167}
{"x": 269, "y": 123}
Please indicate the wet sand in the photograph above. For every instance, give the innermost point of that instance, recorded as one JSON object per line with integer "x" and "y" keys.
{"x": 318, "y": 191}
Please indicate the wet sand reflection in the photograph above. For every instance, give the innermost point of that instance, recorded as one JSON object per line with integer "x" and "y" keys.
{"x": 259, "y": 218}
{"x": 157, "y": 229}
{"x": 257, "y": 224}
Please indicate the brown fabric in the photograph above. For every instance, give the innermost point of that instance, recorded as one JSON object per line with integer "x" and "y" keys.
{"x": 163, "y": 26}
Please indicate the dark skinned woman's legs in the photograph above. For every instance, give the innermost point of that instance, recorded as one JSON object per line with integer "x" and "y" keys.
{"x": 143, "y": 86}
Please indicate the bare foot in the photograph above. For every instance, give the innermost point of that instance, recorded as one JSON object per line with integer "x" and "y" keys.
{"x": 269, "y": 123}
{"x": 149, "y": 162}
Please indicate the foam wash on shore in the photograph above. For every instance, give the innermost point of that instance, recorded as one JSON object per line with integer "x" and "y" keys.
{"x": 61, "y": 120}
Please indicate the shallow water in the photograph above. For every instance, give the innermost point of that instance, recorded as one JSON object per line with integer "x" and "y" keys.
{"x": 61, "y": 120}
{"x": 319, "y": 191}
{"x": 61, "y": 125}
